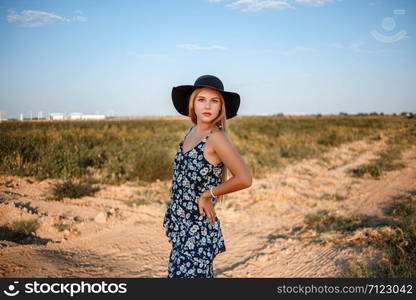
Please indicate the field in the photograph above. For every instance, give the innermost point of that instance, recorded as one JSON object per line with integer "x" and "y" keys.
{"x": 332, "y": 196}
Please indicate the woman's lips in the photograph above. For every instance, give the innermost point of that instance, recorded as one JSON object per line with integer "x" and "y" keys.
{"x": 207, "y": 114}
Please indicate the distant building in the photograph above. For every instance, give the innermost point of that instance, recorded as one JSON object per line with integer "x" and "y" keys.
{"x": 75, "y": 116}
{"x": 56, "y": 116}
{"x": 93, "y": 117}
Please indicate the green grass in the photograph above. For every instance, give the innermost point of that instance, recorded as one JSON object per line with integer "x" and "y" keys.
{"x": 398, "y": 255}
{"x": 147, "y": 196}
{"x": 389, "y": 159}
{"x": 143, "y": 150}
{"x": 62, "y": 226}
{"x": 399, "y": 252}
{"x": 339, "y": 197}
{"x": 24, "y": 227}
{"x": 18, "y": 230}
{"x": 324, "y": 221}
{"x": 71, "y": 189}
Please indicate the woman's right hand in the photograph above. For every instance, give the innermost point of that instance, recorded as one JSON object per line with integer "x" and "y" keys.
{"x": 206, "y": 207}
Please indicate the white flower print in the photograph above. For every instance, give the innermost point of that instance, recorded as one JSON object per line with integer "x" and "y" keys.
{"x": 192, "y": 235}
{"x": 185, "y": 183}
{"x": 217, "y": 171}
{"x": 204, "y": 171}
{"x": 180, "y": 212}
{"x": 189, "y": 244}
{"x": 194, "y": 228}
{"x": 191, "y": 272}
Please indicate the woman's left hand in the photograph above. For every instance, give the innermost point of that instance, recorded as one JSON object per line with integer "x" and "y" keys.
{"x": 206, "y": 207}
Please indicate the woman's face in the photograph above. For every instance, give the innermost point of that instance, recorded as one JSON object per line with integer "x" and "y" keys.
{"x": 207, "y": 105}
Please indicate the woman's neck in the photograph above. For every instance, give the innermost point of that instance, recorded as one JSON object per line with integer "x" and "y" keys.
{"x": 204, "y": 127}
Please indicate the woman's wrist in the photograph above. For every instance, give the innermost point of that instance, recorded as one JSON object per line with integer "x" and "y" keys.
{"x": 212, "y": 192}
{"x": 206, "y": 194}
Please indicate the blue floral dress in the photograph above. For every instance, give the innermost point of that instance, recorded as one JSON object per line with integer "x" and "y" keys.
{"x": 195, "y": 241}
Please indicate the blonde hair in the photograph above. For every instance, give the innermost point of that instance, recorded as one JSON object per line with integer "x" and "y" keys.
{"x": 219, "y": 122}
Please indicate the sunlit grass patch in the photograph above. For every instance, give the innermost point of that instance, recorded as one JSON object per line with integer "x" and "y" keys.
{"x": 324, "y": 221}
{"x": 143, "y": 150}
{"x": 389, "y": 159}
{"x": 398, "y": 258}
{"x": 71, "y": 189}
{"x": 18, "y": 231}
{"x": 62, "y": 226}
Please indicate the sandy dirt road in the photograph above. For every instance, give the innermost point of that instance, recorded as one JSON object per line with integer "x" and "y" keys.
{"x": 264, "y": 226}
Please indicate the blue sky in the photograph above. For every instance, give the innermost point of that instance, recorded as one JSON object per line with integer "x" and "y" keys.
{"x": 123, "y": 57}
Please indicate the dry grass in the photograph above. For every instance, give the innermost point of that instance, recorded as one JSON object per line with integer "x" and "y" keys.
{"x": 142, "y": 150}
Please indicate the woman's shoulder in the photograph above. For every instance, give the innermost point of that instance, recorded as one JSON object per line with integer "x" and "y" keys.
{"x": 218, "y": 133}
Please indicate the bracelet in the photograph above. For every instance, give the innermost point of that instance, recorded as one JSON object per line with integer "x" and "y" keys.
{"x": 212, "y": 192}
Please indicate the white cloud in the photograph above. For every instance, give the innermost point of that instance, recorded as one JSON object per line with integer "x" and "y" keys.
{"x": 356, "y": 46}
{"x": 256, "y": 5}
{"x": 260, "y": 5}
{"x": 37, "y": 18}
{"x": 33, "y": 18}
{"x": 79, "y": 18}
{"x": 314, "y": 2}
{"x": 197, "y": 47}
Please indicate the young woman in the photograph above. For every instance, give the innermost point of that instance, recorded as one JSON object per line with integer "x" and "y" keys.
{"x": 199, "y": 174}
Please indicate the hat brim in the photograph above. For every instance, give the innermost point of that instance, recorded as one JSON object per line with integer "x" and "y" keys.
{"x": 180, "y": 99}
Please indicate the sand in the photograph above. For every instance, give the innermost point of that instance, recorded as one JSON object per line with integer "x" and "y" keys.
{"x": 264, "y": 226}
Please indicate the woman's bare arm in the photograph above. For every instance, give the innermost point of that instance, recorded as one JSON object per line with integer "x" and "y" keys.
{"x": 241, "y": 178}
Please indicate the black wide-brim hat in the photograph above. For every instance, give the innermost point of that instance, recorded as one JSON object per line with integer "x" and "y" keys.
{"x": 180, "y": 95}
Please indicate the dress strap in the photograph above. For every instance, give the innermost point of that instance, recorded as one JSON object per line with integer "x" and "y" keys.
{"x": 208, "y": 134}
{"x": 189, "y": 130}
